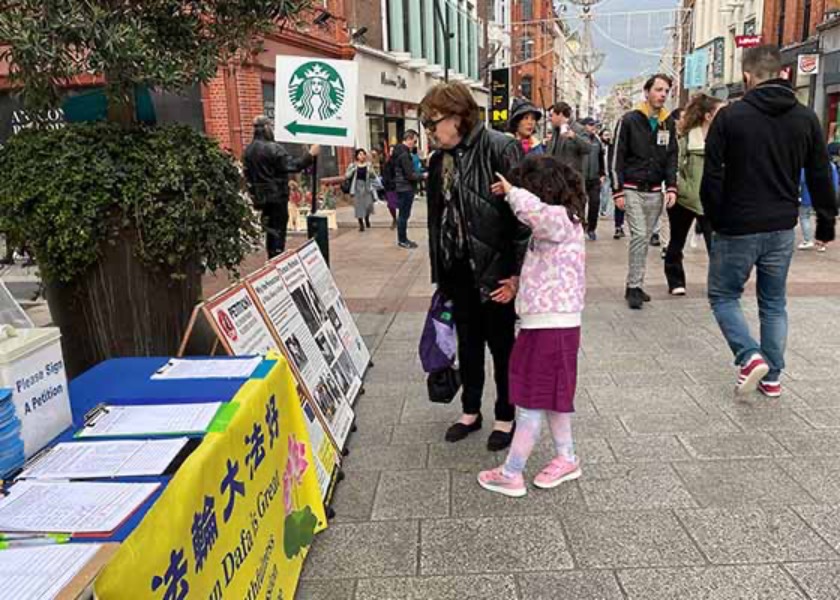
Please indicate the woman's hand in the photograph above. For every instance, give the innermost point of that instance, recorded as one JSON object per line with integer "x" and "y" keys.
{"x": 507, "y": 291}
{"x": 502, "y": 186}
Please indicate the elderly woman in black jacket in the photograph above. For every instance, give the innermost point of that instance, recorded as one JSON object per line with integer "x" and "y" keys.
{"x": 476, "y": 246}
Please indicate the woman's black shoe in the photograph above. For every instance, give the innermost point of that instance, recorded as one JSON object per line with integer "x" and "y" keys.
{"x": 459, "y": 431}
{"x": 499, "y": 440}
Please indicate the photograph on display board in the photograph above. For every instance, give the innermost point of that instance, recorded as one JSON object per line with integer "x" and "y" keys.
{"x": 327, "y": 339}
{"x": 239, "y": 323}
{"x": 300, "y": 347}
{"x": 326, "y": 457}
{"x": 337, "y": 312}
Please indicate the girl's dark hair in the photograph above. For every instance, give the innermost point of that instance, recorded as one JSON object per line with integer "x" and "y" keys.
{"x": 695, "y": 113}
{"x": 359, "y": 151}
{"x": 553, "y": 182}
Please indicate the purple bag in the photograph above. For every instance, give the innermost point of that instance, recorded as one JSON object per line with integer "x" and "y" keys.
{"x": 438, "y": 348}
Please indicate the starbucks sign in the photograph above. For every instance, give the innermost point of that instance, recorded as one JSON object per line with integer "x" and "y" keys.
{"x": 316, "y": 101}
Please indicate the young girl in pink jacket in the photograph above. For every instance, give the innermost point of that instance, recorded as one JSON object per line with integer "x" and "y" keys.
{"x": 547, "y": 196}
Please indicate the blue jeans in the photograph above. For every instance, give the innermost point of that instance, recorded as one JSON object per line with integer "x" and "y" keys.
{"x": 806, "y": 213}
{"x": 730, "y": 265}
{"x": 404, "y": 203}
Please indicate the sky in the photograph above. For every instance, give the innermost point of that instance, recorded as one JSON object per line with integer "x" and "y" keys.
{"x": 640, "y": 31}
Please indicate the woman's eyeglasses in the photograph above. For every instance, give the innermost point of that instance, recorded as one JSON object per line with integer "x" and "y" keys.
{"x": 431, "y": 124}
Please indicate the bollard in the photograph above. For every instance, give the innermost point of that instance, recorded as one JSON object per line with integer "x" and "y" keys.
{"x": 317, "y": 228}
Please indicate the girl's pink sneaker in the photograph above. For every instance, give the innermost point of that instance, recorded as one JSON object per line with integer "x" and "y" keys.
{"x": 496, "y": 481}
{"x": 556, "y": 472}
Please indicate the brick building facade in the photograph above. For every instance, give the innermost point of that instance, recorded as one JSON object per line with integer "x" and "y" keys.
{"x": 533, "y": 51}
{"x": 790, "y": 22}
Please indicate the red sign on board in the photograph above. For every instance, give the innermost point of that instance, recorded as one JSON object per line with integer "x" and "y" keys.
{"x": 747, "y": 41}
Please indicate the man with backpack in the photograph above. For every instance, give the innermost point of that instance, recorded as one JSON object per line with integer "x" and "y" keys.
{"x": 401, "y": 177}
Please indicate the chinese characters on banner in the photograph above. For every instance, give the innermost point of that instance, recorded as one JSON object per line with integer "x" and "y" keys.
{"x": 237, "y": 519}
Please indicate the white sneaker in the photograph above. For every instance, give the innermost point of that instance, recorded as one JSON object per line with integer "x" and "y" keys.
{"x": 806, "y": 245}
{"x": 822, "y": 248}
{"x": 678, "y": 291}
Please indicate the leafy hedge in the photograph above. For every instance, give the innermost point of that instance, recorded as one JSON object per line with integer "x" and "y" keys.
{"x": 68, "y": 192}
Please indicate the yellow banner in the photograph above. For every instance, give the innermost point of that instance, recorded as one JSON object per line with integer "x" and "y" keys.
{"x": 239, "y": 516}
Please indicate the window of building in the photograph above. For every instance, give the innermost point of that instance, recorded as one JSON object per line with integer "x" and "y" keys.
{"x": 527, "y": 49}
{"x": 806, "y": 19}
{"x": 780, "y": 28}
{"x": 527, "y": 10}
{"x": 527, "y": 87}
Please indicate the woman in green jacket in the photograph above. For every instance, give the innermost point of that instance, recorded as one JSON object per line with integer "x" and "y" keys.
{"x": 693, "y": 128}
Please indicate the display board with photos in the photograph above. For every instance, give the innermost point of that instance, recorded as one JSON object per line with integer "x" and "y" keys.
{"x": 337, "y": 312}
{"x": 302, "y": 352}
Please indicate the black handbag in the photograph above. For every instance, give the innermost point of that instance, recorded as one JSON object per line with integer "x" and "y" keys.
{"x": 443, "y": 385}
{"x": 345, "y": 185}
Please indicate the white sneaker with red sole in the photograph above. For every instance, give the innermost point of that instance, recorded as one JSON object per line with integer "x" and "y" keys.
{"x": 771, "y": 389}
{"x": 751, "y": 374}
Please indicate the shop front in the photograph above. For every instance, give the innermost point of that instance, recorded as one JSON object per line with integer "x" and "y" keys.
{"x": 389, "y": 99}
{"x": 804, "y": 84}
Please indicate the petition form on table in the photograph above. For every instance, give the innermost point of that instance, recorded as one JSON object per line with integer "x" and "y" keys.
{"x": 151, "y": 419}
{"x": 71, "y": 507}
{"x": 42, "y": 572}
{"x": 115, "y": 458}
{"x": 228, "y": 368}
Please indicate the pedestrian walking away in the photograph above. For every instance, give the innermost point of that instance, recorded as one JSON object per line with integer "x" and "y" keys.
{"x": 267, "y": 167}
{"x": 361, "y": 177}
{"x": 692, "y": 129}
{"x": 524, "y": 117}
{"x": 476, "y": 248}
{"x": 644, "y": 156}
{"x": 755, "y": 151}
{"x": 549, "y": 198}
{"x": 593, "y": 176}
{"x": 401, "y": 177}
{"x": 806, "y": 208}
{"x": 567, "y": 141}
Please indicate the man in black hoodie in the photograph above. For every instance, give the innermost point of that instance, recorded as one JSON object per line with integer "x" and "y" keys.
{"x": 401, "y": 177}
{"x": 755, "y": 151}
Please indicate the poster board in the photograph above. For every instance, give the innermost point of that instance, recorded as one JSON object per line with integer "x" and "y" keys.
{"x": 328, "y": 376}
{"x": 291, "y": 335}
{"x": 238, "y": 517}
{"x": 238, "y": 323}
{"x": 337, "y": 311}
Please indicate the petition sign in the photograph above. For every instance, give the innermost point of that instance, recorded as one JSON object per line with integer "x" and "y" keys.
{"x": 315, "y": 101}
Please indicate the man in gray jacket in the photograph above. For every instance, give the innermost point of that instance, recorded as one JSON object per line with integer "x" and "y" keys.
{"x": 567, "y": 141}
{"x": 594, "y": 171}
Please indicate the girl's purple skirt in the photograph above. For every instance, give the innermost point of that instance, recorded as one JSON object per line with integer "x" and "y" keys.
{"x": 543, "y": 369}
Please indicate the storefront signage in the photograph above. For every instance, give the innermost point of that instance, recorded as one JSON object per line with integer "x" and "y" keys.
{"x": 499, "y": 99}
{"x": 316, "y": 100}
{"x": 397, "y": 81}
{"x": 748, "y": 41}
{"x": 718, "y": 49}
{"x": 808, "y": 64}
{"x": 696, "y": 69}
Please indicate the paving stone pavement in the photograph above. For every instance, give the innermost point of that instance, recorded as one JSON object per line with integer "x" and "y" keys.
{"x": 686, "y": 493}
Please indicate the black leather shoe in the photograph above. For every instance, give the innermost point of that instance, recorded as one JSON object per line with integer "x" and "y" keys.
{"x": 635, "y": 300}
{"x": 642, "y": 294}
{"x": 499, "y": 440}
{"x": 459, "y": 431}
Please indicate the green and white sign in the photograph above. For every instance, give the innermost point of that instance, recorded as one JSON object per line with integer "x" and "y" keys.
{"x": 316, "y": 101}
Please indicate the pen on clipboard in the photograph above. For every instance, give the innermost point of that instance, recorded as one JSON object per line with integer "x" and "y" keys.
{"x": 10, "y": 541}
{"x": 164, "y": 368}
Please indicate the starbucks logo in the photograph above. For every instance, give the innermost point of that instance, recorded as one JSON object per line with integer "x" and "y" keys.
{"x": 316, "y": 91}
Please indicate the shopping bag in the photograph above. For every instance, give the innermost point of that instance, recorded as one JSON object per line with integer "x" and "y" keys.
{"x": 438, "y": 349}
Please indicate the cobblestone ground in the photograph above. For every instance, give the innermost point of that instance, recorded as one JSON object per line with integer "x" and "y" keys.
{"x": 686, "y": 493}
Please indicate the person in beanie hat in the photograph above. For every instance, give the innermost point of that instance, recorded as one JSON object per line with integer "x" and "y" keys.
{"x": 524, "y": 117}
